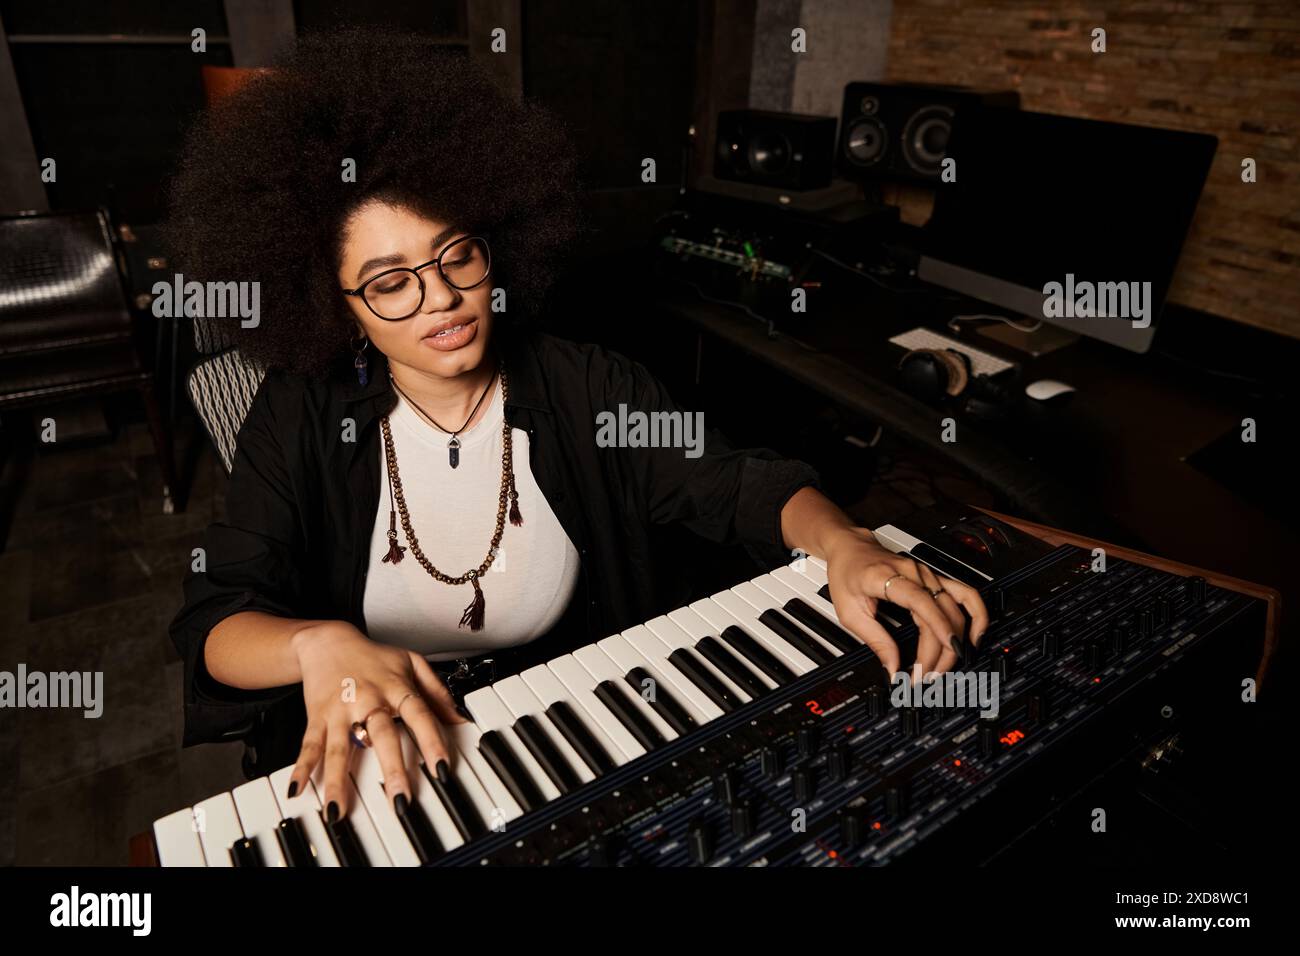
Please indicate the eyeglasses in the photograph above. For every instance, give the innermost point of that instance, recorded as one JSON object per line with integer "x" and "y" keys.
{"x": 396, "y": 294}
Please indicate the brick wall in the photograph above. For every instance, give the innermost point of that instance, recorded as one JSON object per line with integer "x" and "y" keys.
{"x": 1231, "y": 69}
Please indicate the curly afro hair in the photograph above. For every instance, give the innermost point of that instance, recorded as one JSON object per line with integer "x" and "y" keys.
{"x": 259, "y": 193}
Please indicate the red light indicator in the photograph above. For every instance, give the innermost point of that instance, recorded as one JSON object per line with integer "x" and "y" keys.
{"x": 1096, "y": 680}
{"x": 1013, "y": 738}
{"x": 1006, "y": 650}
{"x": 813, "y": 706}
{"x": 848, "y": 730}
{"x": 876, "y": 825}
{"x": 956, "y": 763}
{"x": 833, "y": 854}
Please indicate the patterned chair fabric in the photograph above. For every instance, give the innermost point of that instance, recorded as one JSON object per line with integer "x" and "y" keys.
{"x": 222, "y": 388}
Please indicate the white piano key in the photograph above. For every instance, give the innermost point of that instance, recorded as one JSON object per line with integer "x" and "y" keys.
{"x": 655, "y": 652}
{"x": 490, "y": 713}
{"x": 363, "y": 827}
{"x": 424, "y": 794}
{"x": 516, "y": 695}
{"x": 719, "y": 618}
{"x": 548, "y": 688}
{"x": 579, "y": 682}
{"x": 259, "y": 815}
{"x": 368, "y": 776}
{"x": 812, "y": 578}
{"x": 470, "y": 784}
{"x": 601, "y": 667}
{"x": 493, "y": 799}
{"x": 755, "y": 602}
{"x": 305, "y": 808}
{"x": 761, "y": 600}
{"x": 792, "y": 580}
{"x": 219, "y": 828}
{"x": 816, "y": 573}
{"x": 177, "y": 840}
{"x": 689, "y": 629}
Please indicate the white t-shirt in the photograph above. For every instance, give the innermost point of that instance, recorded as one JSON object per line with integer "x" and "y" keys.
{"x": 453, "y": 513}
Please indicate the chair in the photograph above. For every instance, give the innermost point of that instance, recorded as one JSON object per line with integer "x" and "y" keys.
{"x": 66, "y": 327}
{"x": 222, "y": 387}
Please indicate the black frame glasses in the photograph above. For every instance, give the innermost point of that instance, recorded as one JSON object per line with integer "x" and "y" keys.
{"x": 361, "y": 289}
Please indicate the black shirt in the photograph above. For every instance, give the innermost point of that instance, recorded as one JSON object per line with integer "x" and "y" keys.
{"x": 304, "y": 490}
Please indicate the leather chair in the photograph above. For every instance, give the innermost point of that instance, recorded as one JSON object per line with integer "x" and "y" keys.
{"x": 66, "y": 327}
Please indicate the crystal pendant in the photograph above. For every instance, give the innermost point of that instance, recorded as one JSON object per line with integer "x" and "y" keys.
{"x": 453, "y": 452}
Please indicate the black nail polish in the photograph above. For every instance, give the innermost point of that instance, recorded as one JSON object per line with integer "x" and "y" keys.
{"x": 400, "y": 803}
{"x": 332, "y": 811}
{"x": 293, "y": 789}
{"x": 443, "y": 771}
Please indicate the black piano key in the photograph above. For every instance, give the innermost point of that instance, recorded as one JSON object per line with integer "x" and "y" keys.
{"x": 699, "y": 675}
{"x": 418, "y": 829}
{"x": 246, "y": 852}
{"x": 345, "y": 843}
{"x": 736, "y": 672}
{"x": 664, "y": 703}
{"x": 790, "y": 632}
{"x": 645, "y": 733}
{"x": 758, "y": 655}
{"x": 293, "y": 842}
{"x": 546, "y": 754}
{"x": 824, "y": 592}
{"x": 580, "y": 738}
{"x": 496, "y": 751}
{"x": 460, "y": 808}
{"x": 821, "y": 625}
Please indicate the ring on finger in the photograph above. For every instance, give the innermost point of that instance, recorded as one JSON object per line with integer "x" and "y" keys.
{"x": 891, "y": 581}
{"x": 360, "y": 736}
{"x": 404, "y": 699}
{"x": 936, "y": 592}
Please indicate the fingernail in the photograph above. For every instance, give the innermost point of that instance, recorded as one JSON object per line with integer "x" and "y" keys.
{"x": 443, "y": 771}
{"x": 400, "y": 803}
{"x": 332, "y": 811}
{"x": 293, "y": 789}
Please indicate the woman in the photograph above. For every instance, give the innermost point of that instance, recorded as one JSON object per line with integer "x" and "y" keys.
{"x": 419, "y": 483}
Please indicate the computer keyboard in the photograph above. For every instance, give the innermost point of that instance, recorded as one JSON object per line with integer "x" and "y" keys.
{"x": 982, "y": 363}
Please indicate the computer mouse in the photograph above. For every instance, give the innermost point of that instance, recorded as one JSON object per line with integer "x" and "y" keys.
{"x": 1049, "y": 390}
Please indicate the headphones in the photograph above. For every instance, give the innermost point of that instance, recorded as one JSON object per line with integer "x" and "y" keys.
{"x": 940, "y": 375}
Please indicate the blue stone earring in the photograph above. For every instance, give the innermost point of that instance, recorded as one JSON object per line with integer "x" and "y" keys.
{"x": 361, "y": 363}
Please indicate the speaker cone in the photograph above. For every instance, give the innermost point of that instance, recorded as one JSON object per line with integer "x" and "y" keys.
{"x": 925, "y": 138}
{"x": 866, "y": 141}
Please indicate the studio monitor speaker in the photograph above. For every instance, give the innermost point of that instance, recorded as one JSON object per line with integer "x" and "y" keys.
{"x": 785, "y": 150}
{"x": 899, "y": 131}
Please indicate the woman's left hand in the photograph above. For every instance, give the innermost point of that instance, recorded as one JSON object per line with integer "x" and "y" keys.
{"x": 858, "y": 568}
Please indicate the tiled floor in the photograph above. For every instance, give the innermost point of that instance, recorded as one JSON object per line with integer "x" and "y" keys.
{"x": 89, "y": 579}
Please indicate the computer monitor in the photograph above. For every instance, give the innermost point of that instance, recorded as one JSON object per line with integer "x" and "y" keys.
{"x": 1075, "y": 222}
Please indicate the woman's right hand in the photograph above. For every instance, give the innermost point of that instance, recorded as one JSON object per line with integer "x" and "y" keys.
{"x": 347, "y": 677}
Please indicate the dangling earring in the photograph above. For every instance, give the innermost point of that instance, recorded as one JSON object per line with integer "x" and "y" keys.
{"x": 361, "y": 363}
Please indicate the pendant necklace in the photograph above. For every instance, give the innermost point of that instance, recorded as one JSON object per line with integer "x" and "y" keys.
{"x": 453, "y": 443}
